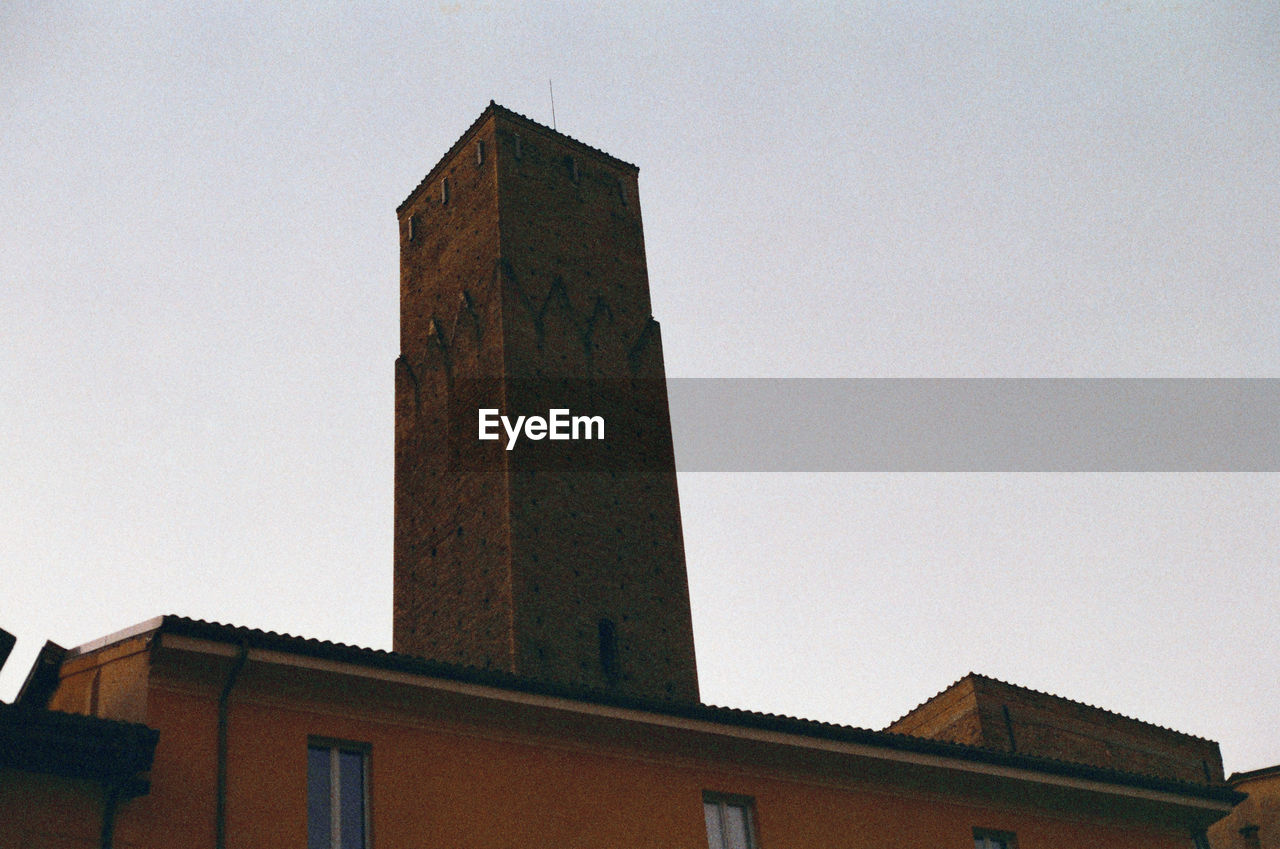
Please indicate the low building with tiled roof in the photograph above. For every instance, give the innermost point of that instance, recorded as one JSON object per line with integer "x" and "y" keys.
{"x": 64, "y": 776}
{"x": 453, "y": 755}
{"x": 1255, "y": 822}
{"x": 993, "y": 714}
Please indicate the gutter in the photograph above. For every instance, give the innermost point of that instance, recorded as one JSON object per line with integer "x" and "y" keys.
{"x": 719, "y": 722}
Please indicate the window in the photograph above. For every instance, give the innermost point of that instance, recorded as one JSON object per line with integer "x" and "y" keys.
{"x": 337, "y": 796}
{"x": 480, "y": 152}
{"x": 984, "y": 838}
{"x": 444, "y": 190}
{"x": 729, "y": 823}
{"x": 609, "y": 650}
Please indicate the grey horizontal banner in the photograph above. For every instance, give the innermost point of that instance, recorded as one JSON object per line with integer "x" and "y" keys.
{"x": 976, "y": 425}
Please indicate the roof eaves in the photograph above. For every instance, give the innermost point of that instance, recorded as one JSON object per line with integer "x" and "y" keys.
{"x": 377, "y": 658}
{"x": 1250, "y": 775}
{"x": 75, "y": 745}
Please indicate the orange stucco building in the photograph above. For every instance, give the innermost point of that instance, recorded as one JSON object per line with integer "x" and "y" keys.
{"x": 1255, "y": 822}
{"x": 543, "y": 691}
{"x": 464, "y": 757}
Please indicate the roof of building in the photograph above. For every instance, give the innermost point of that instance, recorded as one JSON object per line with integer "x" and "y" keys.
{"x": 76, "y": 746}
{"x": 380, "y": 659}
{"x": 978, "y": 677}
{"x": 497, "y": 109}
{"x": 1254, "y": 774}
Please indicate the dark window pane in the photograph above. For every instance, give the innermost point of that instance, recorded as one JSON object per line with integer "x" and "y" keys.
{"x": 319, "y": 834}
{"x": 609, "y": 650}
{"x": 351, "y": 799}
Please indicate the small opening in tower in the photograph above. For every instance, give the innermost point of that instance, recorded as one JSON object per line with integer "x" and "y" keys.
{"x": 574, "y": 174}
{"x": 94, "y": 690}
{"x": 444, "y": 190}
{"x": 519, "y": 148}
{"x": 480, "y": 152}
{"x": 609, "y": 650}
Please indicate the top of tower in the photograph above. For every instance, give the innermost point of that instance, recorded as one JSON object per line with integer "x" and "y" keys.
{"x": 495, "y": 109}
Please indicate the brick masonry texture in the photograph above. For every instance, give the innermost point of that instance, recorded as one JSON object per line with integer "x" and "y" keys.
{"x": 981, "y": 711}
{"x": 522, "y": 269}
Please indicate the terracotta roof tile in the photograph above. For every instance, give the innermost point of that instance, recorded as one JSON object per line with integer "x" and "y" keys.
{"x": 381, "y": 659}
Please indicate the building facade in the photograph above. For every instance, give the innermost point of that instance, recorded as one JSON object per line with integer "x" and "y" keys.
{"x": 981, "y": 711}
{"x": 391, "y": 750}
{"x": 1255, "y": 822}
{"x": 543, "y": 691}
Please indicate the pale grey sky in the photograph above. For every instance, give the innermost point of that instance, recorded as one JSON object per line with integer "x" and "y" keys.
{"x": 199, "y": 261}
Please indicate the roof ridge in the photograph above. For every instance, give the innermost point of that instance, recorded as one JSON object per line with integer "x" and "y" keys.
{"x": 1260, "y": 772}
{"x": 978, "y": 676}
{"x": 495, "y": 108}
{"x": 512, "y": 113}
{"x": 941, "y": 692}
{"x": 1091, "y": 707}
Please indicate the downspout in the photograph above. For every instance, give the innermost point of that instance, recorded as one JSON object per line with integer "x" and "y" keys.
{"x": 220, "y": 816}
{"x": 110, "y": 801}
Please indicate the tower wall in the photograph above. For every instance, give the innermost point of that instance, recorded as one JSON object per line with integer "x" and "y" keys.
{"x": 452, "y": 583}
{"x": 571, "y": 573}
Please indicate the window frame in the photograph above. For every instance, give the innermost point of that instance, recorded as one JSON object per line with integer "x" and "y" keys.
{"x": 335, "y": 748}
{"x": 1005, "y": 839}
{"x": 733, "y": 800}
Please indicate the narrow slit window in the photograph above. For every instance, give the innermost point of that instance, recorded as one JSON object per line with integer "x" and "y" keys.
{"x": 480, "y": 152}
{"x": 444, "y": 190}
{"x": 609, "y": 650}
{"x": 519, "y": 148}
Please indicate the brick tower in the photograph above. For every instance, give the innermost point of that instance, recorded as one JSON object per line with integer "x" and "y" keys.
{"x": 522, "y": 278}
